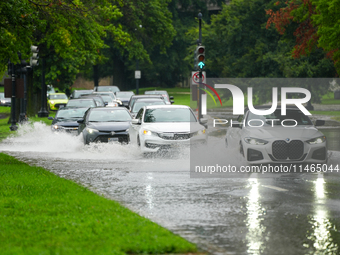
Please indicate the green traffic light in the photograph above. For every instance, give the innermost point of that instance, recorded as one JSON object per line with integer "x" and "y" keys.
{"x": 201, "y": 65}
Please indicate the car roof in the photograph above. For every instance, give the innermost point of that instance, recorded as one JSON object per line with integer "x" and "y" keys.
{"x": 167, "y": 106}
{"x": 148, "y": 95}
{"x": 72, "y": 108}
{"x": 102, "y": 108}
{"x": 148, "y": 99}
{"x": 83, "y": 98}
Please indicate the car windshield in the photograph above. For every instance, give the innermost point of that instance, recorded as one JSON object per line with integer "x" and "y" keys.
{"x": 71, "y": 113}
{"x": 107, "y": 98}
{"x": 109, "y": 116}
{"x": 107, "y": 88}
{"x": 276, "y": 118}
{"x": 61, "y": 96}
{"x": 77, "y": 94}
{"x": 140, "y": 104}
{"x": 81, "y": 103}
{"x": 169, "y": 115}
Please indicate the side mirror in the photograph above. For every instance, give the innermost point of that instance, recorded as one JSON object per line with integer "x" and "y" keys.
{"x": 171, "y": 97}
{"x": 106, "y": 103}
{"x": 135, "y": 121}
{"x": 50, "y": 118}
{"x": 237, "y": 124}
{"x": 319, "y": 122}
{"x": 172, "y": 101}
{"x": 80, "y": 121}
{"x": 204, "y": 121}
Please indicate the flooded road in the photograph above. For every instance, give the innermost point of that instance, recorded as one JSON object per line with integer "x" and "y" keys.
{"x": 284, "y": 214}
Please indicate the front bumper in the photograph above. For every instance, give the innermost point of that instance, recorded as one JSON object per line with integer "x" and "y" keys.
{"x": 56, "y": 107}
{"x": 264, "y": 154}
{"x": 154, "y": 143}
{"x": 106, "y": 137}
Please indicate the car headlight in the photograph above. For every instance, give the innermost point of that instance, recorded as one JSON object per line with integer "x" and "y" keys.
{"x": 147, "y": 132}
{"x": 52, "y": 102}
{"x": 317, "y": 140}
{"x": 200, "y": 132}
{"x": 56, "y": 127}
{"x": 255, "y": 141}
{"x": 127, "y": 130}
{"x": 91, "y": 130}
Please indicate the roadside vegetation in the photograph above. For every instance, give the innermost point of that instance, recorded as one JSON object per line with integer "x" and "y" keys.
{"x": 41, "y": 213}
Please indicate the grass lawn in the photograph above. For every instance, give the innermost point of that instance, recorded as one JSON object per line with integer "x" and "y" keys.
{"x": 41, "y": 213}
{"x": 329, "y": 99}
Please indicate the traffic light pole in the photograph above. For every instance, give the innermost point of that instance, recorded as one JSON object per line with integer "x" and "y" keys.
{"x": 199, "y": 100}
{"x": 43, "y": 111}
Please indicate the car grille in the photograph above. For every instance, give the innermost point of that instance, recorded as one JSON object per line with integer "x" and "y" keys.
{"x": 283, "y": 150}
{"x": 60, "y": 105}
{"x": 105, "y": 138}
{"x": 175, "y": 136}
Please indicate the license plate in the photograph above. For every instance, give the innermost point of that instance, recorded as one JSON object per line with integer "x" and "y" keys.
{"x": 114, "y": 139}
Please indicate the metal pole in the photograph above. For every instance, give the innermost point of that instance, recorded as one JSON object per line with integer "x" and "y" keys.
{"x": 137, "y": 80}
{"x": 13, "y": 126}
{"x": 199, "y": 101}
{"x": 43, "y": 112}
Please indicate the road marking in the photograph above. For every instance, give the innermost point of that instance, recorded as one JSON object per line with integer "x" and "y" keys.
{"x": 275, "y": 188}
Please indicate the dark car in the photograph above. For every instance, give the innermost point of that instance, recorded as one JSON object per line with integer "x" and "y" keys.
{"x": 141, "y": 102}
{"x": 77, "y": 93}
{"x": 164, "y": 93}
{"x": 66, "y": 119}
{"x": 4, "y": 101}
{"x": 124, "y": 97}
{"x": 135, "y": 97}
{"x": 82, "y": 102}
{"x": 106, "y": 89}
{"x": 99, "y": 100}
{"x": 105, "y": 124}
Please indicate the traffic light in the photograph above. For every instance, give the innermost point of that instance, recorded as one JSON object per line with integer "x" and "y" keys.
{"x": 200, "y": 56}
{"x": 34, "y": 58}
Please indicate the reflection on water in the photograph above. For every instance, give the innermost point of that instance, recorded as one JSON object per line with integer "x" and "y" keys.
{"x": 321, "y": 237}
{"x": 254, "y": 212}
{"x": 333, "y": 138}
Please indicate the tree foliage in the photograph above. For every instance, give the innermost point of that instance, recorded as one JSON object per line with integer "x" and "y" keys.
{"x": 317, "y": 25}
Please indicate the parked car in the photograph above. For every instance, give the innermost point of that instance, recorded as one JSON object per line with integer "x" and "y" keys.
{"x": 4, "y": 101}
{"x": 77, "y": 93}
{"x": 164, "y": 93}
{"x": 265, "y": 139}
{"x": 162, "y": 127}
{"x": 66, "y": 118}
{"x": 105, "y": 124}
{"x": 124, "y": 97}
{"x": 106, "y": 89}
{"x": 82, "y": 102}
{"x": 135, "y": 97}
{"x": 56, "y": 101}
{"x": 141, "y": 102}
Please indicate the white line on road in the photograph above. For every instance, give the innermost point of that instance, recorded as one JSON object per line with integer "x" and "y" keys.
{"x": 275, "y": 188}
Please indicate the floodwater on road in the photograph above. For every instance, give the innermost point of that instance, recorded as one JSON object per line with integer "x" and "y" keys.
{"x": 284, "y": 214}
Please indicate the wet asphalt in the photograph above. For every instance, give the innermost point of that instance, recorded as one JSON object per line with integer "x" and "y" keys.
{"x": 276, "y": 214}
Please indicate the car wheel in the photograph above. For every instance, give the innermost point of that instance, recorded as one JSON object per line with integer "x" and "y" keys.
{"x": 241, "y": 149}
{"x": 138, "y": 141}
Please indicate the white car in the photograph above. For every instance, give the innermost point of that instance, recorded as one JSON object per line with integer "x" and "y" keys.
{"x": 276, "y": 138}
{"x": 158, "y": 127}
